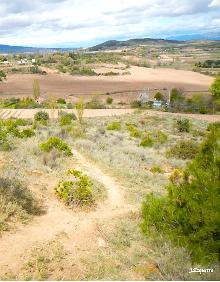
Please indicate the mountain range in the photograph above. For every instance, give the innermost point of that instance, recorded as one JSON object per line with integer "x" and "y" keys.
{"x": 8, "y": 49}
{"x": 113, "y": 44}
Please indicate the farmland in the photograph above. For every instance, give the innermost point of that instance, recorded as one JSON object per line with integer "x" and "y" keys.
{"x": 67, "y": 86}
{"x": 97, "y": 183}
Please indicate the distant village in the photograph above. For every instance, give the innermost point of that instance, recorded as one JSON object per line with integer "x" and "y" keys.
{"x": 19, "y": 62}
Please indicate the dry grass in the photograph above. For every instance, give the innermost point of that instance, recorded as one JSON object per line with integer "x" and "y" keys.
{"x": 121, "y": 154}
{"x": 121, "y": 251}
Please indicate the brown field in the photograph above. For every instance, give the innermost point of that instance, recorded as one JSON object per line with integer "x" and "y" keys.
{"x": 63, "y": 85}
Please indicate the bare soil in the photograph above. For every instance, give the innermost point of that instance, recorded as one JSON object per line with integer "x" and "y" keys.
{"x": 80, "y": 227}
{"x": 63, "y": 85}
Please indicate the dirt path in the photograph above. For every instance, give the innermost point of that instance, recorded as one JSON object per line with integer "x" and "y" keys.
{"x": 29, "y": 113}
{"x": 79, "y": 226}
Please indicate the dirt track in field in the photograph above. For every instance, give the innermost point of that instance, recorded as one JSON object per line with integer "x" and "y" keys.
{"x": 80, "y": 228}
{"x": 29, "y": 113}
{"x": 63, "y": 85}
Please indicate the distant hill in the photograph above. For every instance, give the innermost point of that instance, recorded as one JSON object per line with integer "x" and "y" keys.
{"x": 8, "y": 49}
{"x": 114, "y": 44}
{"x": 196, "y": 36}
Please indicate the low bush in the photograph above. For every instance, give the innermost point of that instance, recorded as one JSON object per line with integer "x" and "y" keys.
{"x": 183, "y": 125}
{"x": 76, "y": 192}
{"x": 134, "y": 131}
{"x": 4, "y": 143}
{"x": 183, "y": 150}
{"x": 109, "y": 100}
{"x": 2, "y": 75}
{"x": 10, "y": 127}
{"x": 115, "y": 125}
{"x": 160, "y": 137}
{"x": 41, "y": 117}
{"x": 213, "y": 126}
{"x": 147, "y": 141}
{"x": 189, "y": 215}
{"x": 151, "y": 138}
{"x": 95, "y": 104}
{"x": 56, "y": 143}
{"x": 66, "y": 118}
{"x": 135, "y": 104}
{"x": 16, "y": 202}
{"x": 61, "y": 101}
{"x": 17, "y": 103}
{"x": 27, "y": 133}
{"x": 156, "y": 169}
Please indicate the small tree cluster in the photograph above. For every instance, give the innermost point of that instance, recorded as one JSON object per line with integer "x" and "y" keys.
{"x": 189, "y": 215}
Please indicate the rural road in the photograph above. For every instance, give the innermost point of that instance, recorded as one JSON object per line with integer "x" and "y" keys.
{"x": 29, "y": 113}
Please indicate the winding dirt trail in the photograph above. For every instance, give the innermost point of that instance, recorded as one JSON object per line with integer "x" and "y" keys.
{"x": 79, "y": 226}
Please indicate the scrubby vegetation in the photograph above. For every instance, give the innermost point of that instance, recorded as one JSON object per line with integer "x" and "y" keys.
{"x": 16, "y": 203}
{"x": 2, "y": 75}
{"x": 66, "y": 118}
{"x": 13, "y": 128}
{"x": 115, "y": 125}
{"x": 183, "y": 150}
{"x": 56, "y": 143}
{"x": 118, "y": 250}
{"x": 183, "y": 125}
{"x": 41, "y": 117}
{"x": 76, "y": 192}
{"x": 189, "y": 214}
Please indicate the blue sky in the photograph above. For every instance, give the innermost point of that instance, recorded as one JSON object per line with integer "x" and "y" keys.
{"x": 75, "y": 23}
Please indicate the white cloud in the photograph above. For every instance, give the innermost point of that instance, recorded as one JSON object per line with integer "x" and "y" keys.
{"x": 51, "y": 22}
{"x": 215, "y": 3}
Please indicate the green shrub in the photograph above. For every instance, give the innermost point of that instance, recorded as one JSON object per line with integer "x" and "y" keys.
{"x": 61, "y": 101}
{"x": 147, "y": 141}
{"x": 115, "y": 125}
{"x": 41, "y": 117}
{"x": 27, "y": 133}
{"x": 134, "y": 131}
{"x": 66, "y": 118}
{"x": 14, "y": 131}
{"x": 183, "y": 125}
{"x": 56, "y": 143}
{"x": 109, "y": 100}
{"x": 15, "y": 122}
{"x": 16, "y": 203}
{"x": 160, "y": 137}
{"x": 4, "y": 143}
{"x": 183, "y": 150}
{"x": 214, "y": 125}
{"x": 189, "y": 215}
{"x": 135, "y": 104}
{"x": 2, "y": 75}
{"x": 76, "y": 192}
{"x": 156, "y": 169}
{"x": 14, "y": 191}
{"x": 159, "y": 96}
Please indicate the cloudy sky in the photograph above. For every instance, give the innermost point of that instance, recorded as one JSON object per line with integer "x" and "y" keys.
{"x": 75, "y": 23}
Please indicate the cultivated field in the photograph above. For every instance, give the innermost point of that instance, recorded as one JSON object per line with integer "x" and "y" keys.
{"x": 65, "y": 85}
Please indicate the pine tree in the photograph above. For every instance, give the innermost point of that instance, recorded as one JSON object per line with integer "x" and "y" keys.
{"x": 190, "y": 213}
